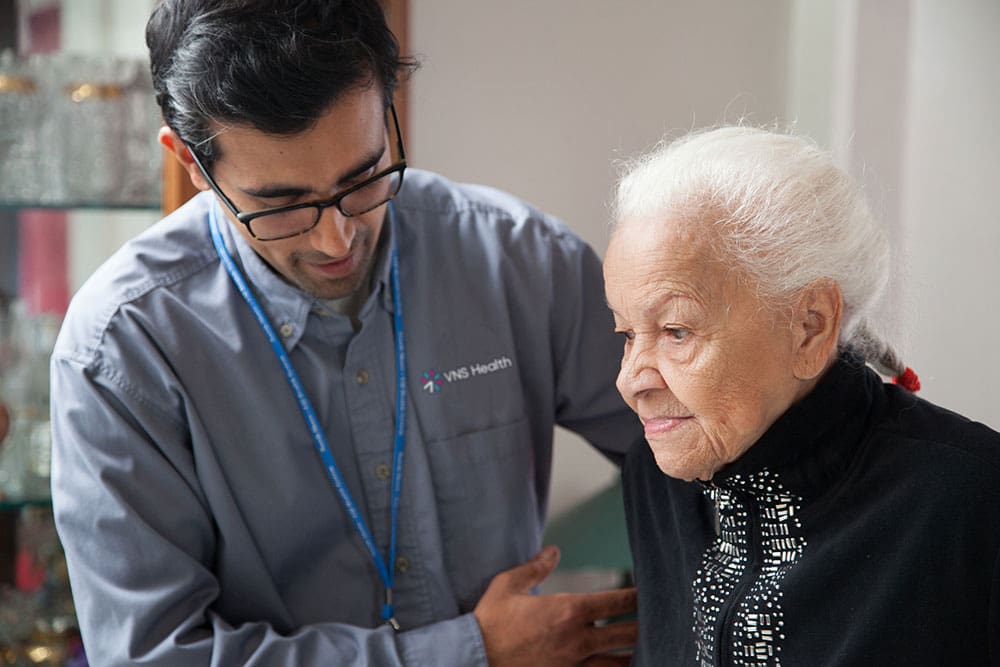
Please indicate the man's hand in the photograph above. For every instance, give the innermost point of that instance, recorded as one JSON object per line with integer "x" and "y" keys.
{"x": 523, "y": 629}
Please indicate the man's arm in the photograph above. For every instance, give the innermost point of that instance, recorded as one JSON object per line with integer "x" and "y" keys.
{"x": 141, "y": 545}
{"x": 520, "y": 628}
{"x": 587, "y": 352}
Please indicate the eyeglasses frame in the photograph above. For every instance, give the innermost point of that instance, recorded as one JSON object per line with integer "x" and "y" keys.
{"x": 247, "y": 217}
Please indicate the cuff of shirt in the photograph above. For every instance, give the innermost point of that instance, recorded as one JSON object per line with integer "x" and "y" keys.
{"x": 458, "y": 642}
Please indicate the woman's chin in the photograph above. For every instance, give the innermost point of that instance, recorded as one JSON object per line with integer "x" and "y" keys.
{"x": 678, "y": 466}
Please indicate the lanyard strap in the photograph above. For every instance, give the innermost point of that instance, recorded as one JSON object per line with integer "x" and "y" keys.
{"x": 386, "y": 569}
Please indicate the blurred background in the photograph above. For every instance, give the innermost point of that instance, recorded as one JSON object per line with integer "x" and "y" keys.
{"x": 540, "y": 98}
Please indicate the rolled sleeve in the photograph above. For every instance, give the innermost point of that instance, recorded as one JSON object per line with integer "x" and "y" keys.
{"x": 456, "y": 642}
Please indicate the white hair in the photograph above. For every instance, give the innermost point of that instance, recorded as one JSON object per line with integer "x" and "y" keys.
{"x": 782, "y": 212}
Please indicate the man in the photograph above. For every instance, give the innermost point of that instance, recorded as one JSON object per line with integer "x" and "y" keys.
{"x": 307, "y": 418}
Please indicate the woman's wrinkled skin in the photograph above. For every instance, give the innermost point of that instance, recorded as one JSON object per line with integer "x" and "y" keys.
{"x": 708, "y": 363}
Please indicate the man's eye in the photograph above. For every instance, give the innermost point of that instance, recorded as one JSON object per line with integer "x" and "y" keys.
{"x": 629, "y": 335}
{"x": 361, "y": 178}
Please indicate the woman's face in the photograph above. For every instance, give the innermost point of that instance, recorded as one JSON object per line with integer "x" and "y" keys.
{"x": 707, "y": 365}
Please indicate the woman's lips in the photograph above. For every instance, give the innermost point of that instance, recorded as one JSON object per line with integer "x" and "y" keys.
{"x": 658, "y": 425}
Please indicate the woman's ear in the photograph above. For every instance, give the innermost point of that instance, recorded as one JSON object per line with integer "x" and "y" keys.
{"x": 816, "y": 323}
{"x": 169, "y": 140}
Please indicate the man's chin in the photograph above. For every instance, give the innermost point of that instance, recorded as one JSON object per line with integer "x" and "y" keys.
{"x": 331, "y": 289}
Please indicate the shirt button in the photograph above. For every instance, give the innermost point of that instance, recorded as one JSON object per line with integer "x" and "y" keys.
{"x": 402, "y": 564}
{"x": 382, "y": 471}
{"x": 361, "y": 377}
{"x": 286, "y": 330}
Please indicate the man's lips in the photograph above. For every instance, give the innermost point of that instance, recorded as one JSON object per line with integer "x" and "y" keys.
{"x": 658, "y": 425}
{"x": 338, "y": 268}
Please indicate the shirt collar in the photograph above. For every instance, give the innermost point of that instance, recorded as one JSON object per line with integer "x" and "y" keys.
{"x": 288, "y": 307}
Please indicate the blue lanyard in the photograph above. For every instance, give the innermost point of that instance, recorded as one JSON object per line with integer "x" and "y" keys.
{"x": 386, "y": 569}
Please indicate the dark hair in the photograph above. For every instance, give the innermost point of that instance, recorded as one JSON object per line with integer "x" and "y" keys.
{"x": 274, "y": 65}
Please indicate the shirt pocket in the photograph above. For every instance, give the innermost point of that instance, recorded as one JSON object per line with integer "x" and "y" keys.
{"x": 485, "y": 488}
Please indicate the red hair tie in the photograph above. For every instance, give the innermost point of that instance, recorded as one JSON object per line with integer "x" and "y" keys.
{"x": 908, "y": 380}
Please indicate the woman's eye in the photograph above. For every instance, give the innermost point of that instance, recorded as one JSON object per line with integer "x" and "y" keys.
{"x": 677, "y": 333}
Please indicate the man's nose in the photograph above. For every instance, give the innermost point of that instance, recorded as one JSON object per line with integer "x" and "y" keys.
{"x": 334, "y": 233}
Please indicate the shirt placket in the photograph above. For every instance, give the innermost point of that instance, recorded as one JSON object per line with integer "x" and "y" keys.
{"x": 369, "y": 389}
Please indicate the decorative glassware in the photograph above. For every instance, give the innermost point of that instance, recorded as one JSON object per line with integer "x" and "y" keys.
{"x": 78, "y": 130}
{"x": 20, "y": 103}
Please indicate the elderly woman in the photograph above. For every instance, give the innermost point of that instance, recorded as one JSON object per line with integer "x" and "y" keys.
{"x": 790, "y": 508}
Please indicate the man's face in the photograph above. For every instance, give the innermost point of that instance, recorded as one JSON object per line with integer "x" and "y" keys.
{"x": 346, "y": 146}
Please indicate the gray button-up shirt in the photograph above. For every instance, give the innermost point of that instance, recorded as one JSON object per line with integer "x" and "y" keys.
{"x": 199, "y": 524}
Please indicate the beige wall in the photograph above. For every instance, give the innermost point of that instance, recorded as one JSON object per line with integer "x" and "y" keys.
{"x": 908, "y": 100}
{"x": 951, "y": 230}
{"x": 540, "y": 97}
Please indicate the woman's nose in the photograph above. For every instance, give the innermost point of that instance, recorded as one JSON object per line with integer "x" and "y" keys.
{"x": 334, "y": 233}
{"x": 639, "y": 372}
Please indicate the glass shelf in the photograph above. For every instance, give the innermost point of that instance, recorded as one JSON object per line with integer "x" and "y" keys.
{"x": 37, "y": 617}
{"x": 82, "y": 205}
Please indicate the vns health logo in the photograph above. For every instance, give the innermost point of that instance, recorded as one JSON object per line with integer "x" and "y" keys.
{"x": 432, "y": 381}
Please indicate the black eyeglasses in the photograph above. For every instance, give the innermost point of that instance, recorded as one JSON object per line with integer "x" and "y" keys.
{"x": 282, "y": 222}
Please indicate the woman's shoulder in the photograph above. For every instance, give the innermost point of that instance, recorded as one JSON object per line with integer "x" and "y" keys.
{"x": 923, "y": 427}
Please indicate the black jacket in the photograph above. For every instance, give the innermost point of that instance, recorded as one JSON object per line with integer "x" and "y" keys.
{"x": 863, "y": 528}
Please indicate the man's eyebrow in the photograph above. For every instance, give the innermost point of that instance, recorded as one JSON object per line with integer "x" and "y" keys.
{"x": 280, "y": 190}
